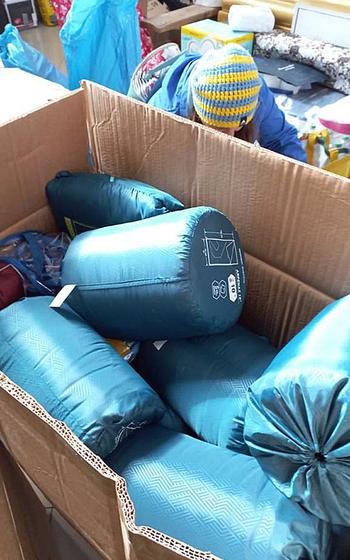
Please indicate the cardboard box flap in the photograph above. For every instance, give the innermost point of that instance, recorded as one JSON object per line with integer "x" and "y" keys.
{"x": 33, "y": 149}
{"x": 24, "y": 522}
{"x": 278, "y": 305}
{"x": 293, "y": 217}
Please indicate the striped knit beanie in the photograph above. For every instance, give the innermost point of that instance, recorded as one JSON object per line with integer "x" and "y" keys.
{"x": 225, "y": 87}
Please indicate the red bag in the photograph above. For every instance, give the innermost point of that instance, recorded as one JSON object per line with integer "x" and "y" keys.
{"x": 61, "y": 8}
{"x": 11, "y": 285}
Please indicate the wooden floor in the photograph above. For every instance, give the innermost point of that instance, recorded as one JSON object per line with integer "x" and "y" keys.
{"x": 47, "y": 40}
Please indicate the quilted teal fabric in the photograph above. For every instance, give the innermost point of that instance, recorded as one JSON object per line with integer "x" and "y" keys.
{"x": 74, "y": 373}
{"x": 215, "y": 500}
{"x": 173, "y": 276}
{"x": 205, "y": 379}
{"x": 298, "y": 417}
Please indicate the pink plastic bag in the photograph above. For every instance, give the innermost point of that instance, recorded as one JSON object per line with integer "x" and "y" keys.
{"x": 146, "y": 41}
{"x": 61, "y": 8}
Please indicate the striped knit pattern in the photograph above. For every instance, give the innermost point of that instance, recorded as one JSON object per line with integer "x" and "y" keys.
{"x": 225, "y": 87}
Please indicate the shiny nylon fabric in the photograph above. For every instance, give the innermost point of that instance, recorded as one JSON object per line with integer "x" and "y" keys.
{"x": 205, "y": 380}
{"x": 214, "y": 499}
{"x": 101, "y": 42}
{"x": 164, "y": 277}
{"x": 298, "y": 417}
{"x": 91, "y": 200}
{"x": 74, "y": 374}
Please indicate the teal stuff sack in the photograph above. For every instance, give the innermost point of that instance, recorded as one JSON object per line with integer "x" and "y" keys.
{"x": 205, "y": 380}
{"x": 74, "y": 374}
{"x": 85, "y": 201}
{"x": 298, "y": 416}
{"x": 173, "y": 276}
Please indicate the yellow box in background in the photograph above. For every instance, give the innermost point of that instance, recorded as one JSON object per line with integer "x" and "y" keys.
{"x": 207, "y": 34}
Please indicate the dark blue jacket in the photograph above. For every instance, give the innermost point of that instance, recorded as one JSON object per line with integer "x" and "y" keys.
{"x": 274, "y": 132}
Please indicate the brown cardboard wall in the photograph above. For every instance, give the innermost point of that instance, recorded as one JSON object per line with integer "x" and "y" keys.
{"x": 291, "y": 217}
{"x": 24, "y": 524}
{"x": 277, "y": 303}
{"x": 294, "y": 223}
{"x": 32, "y": 150}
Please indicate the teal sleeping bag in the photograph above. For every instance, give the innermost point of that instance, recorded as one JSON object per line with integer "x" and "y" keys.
{"x": 215, "y": 500}
{"x": 205, "y": 379}
{"x": 172, "y": 276}
{"x": 84, "y": 201}
{"x": 74, "y": 374}
{"x": 298, "y": 417}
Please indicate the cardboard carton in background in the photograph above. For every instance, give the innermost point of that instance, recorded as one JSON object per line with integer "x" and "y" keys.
{"x": 294, "y": 223}
{"x": 207, "y": 34}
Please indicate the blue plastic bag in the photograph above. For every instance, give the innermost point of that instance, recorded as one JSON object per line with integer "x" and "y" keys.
{"x": 16, "y": 53}
{"x": 101, "y": 39}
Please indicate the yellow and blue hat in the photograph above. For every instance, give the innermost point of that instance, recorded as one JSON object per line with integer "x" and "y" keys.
{"x": 225, "y": 87}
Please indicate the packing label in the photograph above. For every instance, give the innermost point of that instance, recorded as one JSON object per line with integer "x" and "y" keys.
{"x": 62, "y": 295}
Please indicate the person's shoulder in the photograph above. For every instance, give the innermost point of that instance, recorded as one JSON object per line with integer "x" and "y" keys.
{"x": 264, "y": 89}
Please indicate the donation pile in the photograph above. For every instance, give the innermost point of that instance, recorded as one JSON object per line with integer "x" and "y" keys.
{"x": 217, "y": 434}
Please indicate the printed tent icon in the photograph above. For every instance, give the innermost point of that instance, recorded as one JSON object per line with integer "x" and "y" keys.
{"x": 220, "y": 249}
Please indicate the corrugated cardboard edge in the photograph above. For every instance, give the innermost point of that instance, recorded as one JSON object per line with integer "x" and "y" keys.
{"x": 129, "y": 534}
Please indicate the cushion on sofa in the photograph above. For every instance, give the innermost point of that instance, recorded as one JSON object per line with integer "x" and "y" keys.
{"x": 173, "y": 276}
{"x": 215, "y": 500}
{"x": 298, "y": 417}
{"x": 83, "y": 201}
{"x": 205, "y": 379}
{"x": 74, "y": 373}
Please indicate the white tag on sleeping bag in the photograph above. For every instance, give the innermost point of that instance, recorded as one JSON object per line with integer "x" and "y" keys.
{"x": 158, "y": 344}
{"x": 62, "y": 295}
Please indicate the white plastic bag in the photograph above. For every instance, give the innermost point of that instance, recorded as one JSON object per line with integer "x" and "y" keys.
{"x": 209, "y": 3}
{"x": 258, "y": 19}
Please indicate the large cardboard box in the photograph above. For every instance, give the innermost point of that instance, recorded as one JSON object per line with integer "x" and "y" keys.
{"x": 294, "y": 222}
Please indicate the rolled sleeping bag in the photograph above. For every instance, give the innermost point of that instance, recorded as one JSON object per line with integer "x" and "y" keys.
{"x": 205, "y": 380}
{"x": 75, "y": 374}
{"x": 85, "y": 201}
{"x": 215, "y": 500}
{"x": 298, "y": 417}
{"x": 173, "y": 276}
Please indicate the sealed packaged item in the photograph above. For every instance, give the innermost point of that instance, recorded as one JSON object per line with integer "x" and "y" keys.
{"x": 75, "y": 374}
{"x": 215, "y": 499}
{"x": 178, "y": 275}
{"x": 207, "y": 34}
{"x": 84, "y": 201}
{"x": 298, "y": 416}
{"x": 205, "y": 380}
